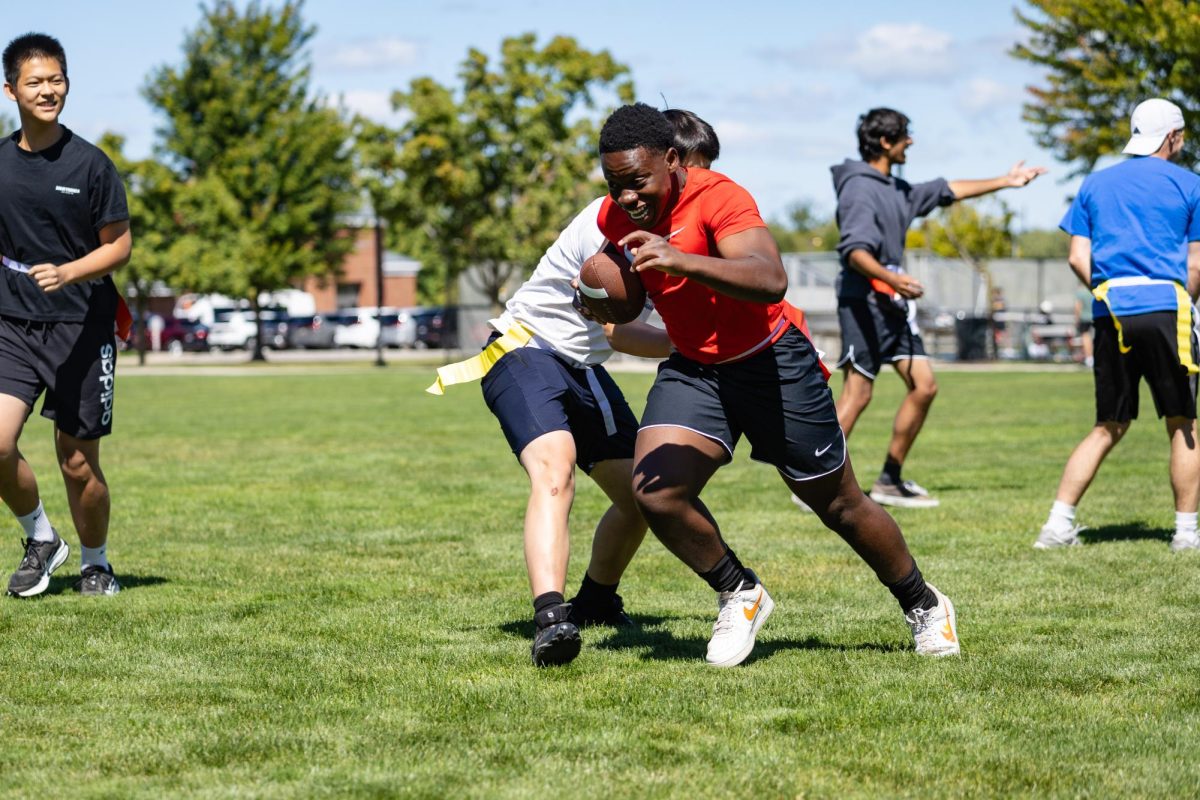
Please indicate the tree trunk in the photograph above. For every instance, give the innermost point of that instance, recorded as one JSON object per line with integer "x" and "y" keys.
{"x": 139, "y": 323}
{"x": 257, "y": 355}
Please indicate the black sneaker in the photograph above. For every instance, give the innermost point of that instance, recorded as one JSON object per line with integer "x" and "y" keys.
{"x": 41, "y": 558}
{"x": 612, "y": 615}
{"x": 97, "y": 580}
{"x": 557, "y": 640}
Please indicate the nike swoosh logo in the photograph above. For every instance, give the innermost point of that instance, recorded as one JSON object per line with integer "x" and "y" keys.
{"x": 824, "y": 449}
{"x": 672, "y": 234}
{"x": 752, "y": 610}
{"x": 947, "y": 632}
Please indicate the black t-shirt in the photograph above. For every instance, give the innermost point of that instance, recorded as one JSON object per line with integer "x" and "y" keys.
{"x": 53, "y": 204}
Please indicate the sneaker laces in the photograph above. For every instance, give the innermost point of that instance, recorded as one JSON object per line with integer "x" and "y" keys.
{"x": 920, "y": 619}
{"x": 725, "y": 605}
{"x": 32, "y": 558}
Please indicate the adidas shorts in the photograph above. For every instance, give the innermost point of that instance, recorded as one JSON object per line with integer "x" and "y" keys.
{"x": 74, "y": 363}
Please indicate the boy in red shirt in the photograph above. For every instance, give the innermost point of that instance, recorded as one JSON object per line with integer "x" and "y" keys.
{"x": 713, "y": 271}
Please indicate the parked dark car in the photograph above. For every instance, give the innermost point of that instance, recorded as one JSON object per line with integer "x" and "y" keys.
{"x": 177, "y": 336}
{"x": 437, "y": 327}
{"x": 312, "y": 331}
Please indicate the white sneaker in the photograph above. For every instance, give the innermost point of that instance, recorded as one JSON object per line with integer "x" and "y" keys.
{"x": 1185, "y": 541}
{"x": 1049, "y": 538}
{"x": 915, "y": 488}
{"x": 889, "y": 494}
{"x": 803, "y": 506}
{"x": 935, "y": 630}
{"x": 739, "y": 616}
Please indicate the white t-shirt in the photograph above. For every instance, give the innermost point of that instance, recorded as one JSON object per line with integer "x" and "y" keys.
{"x": 543, "y": 303}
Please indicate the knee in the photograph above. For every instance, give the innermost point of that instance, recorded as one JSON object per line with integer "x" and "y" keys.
{"x": 77, "y": 468}
{"x": 924, "y": 392}
{"x": 658, "y": 504}
{"x": 9, "y": 454}
{"x": 556, "y": 480}
{"x": 858, "y": 392}
{"x": 1113, "y": 432}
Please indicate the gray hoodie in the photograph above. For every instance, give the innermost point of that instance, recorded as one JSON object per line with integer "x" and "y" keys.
{"x": 873, "y": 214}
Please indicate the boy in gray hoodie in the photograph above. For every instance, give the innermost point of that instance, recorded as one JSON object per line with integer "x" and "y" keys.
{"x": 875, "y": 312}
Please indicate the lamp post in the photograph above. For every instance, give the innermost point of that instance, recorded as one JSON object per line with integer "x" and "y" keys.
{"x": 379, "y": 362}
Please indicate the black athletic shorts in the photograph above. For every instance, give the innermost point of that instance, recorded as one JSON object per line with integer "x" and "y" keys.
{"x": 532, "y": 392}
{"x": 74, "y": 362}
{"x": 778, "y": 398}
{"x": 876, "y": 332}
{"x": 1154, "y": 340}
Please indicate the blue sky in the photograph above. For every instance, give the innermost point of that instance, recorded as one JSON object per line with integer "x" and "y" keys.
{"x": 782, "y": 82}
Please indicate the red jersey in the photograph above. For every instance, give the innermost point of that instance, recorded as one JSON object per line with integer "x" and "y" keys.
{"x": 703, "y": 324}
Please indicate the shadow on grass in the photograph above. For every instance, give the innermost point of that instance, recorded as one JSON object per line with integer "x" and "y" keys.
{"x": 1123, "y": 533}
{"x": 61, "y": 584}
{"x": 666, "y": 646}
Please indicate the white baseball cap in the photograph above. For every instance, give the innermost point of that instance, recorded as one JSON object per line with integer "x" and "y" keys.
{"x": 1151, "y": 122}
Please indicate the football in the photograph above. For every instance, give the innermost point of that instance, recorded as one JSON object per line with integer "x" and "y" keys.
{"x": 610, "y": 289}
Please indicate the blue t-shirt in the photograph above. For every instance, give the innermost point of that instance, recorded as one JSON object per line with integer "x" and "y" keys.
{"x": 1140, "y": 215}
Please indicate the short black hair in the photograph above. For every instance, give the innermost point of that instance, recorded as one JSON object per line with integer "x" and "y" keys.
{"x": 876, "y": 124}
{"x": 638, "y": 125}
{"x": 31, "y": 45}
{"x": 693, "y": 135}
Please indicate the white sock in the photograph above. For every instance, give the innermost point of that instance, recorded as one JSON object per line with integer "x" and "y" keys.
{"x": 1185, "y": 523}
{"x": 37, "y": 525}
{"x": 1062, "y": 517}
{"x": 93, "y": 557}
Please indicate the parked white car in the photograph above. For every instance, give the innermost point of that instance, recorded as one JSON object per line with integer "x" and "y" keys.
{"x": 234, "y": 328}
{"x": 360, "y": 327}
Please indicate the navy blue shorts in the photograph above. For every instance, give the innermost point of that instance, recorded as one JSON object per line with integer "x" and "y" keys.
{"x": 778, "y": 398}
{"x": 875, "y": 332}
{"x": 533, "y": 392}
{"x": 1154, "y": 342}
{"x": 74, "y": 363}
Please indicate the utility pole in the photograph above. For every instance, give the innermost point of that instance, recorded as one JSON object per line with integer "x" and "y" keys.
{"x": 379, "y": 362}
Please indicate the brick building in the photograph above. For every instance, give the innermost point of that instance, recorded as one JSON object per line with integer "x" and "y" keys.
{"x": 354, "y": 285}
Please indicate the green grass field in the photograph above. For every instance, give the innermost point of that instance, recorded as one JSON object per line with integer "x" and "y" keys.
{"x": 325, "y": 597}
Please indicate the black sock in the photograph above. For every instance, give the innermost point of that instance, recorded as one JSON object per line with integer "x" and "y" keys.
{"x": 595, "y": 595}
{"x": 891, "y": 471}
{"x": 545, "y": 609}
{"x": 912, "y": 592}
{"x": 728, "y": 574}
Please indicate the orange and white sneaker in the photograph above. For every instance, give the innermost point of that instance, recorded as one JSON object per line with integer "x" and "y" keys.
{"x": 935, "y": 630}
{"x": 740, "y": 614}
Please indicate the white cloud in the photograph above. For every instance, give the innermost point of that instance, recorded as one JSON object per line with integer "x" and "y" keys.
{"x": 384, "y": 51}
{"x": 371, "y": 103}
{"x": 893, "y": 52}
{"x": 984, "y": 96}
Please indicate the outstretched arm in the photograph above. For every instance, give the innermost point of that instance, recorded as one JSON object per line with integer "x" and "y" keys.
{"x": 1020, "y": 175}
{"x": 748, "y": 268}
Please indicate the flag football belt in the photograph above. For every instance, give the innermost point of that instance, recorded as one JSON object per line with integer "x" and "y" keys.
{"x": 474, "y": 368}
{"x": 122, "y": 325}
{"x": 1183, "y": 316}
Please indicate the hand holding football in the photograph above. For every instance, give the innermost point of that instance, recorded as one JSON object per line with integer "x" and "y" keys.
{"x": 610, "y": 289}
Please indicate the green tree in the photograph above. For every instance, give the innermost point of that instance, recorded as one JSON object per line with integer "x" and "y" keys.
{"x": 804, "y": 229}
{"x": 265, "y": 167}
{"x": 1042, "y": 243}
{"x": 1103, "y": 57}
{"x": 151, "y": 189}
{"x": 486, "y": 173}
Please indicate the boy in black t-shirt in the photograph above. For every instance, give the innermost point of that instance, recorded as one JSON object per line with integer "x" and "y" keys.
{"x": 64, "y": 227}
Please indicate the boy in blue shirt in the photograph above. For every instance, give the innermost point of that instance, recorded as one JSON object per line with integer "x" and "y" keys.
{"x": 1135, "y": 243}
